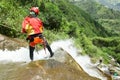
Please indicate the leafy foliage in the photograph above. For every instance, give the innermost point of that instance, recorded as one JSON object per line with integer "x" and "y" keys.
{"x": 53, "y": 16}
{"x": 108, "y": 45}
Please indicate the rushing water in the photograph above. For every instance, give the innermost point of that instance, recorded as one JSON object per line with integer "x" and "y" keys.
{"x": 22, "y": 55}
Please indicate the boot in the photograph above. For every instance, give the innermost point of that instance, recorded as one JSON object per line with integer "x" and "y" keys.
{"x": 31, "y": 52}
{"x": 50, "y": 50}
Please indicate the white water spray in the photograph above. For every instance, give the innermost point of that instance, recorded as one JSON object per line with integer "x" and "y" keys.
{"x": 83, "y": 61}
{"x": 23, "y": 55}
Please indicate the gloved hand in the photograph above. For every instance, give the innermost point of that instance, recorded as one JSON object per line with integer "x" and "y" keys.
{"x": 27, "y": 38}
{"x": 30, "y": 38}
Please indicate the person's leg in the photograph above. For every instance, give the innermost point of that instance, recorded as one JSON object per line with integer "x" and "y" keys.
{"x": 31, "y": 49}
{"x": 49, "y": 49}
{"x": 45, "y": 43}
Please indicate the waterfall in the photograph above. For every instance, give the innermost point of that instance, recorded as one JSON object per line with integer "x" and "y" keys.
{"x": 22, "y": 54}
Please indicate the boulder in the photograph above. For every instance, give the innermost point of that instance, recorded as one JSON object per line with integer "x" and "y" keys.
{"x": 11, "y": 43}
{"x": 61, "y": 67}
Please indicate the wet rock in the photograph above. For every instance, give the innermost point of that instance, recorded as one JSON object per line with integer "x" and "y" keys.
{"x": 48, "y": 69}
{"x": 11, "y": 43}
{"x": 61, "y": 67}
{"x": 1, "y": 38}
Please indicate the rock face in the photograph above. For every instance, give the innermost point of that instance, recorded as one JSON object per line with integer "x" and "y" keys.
{"x": 61, "y": 67}
{"x": 10, "y": 43}
{"x": 1, "y": 38}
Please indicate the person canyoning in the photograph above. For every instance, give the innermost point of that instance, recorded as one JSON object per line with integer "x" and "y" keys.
{"x": 33, "y": 27}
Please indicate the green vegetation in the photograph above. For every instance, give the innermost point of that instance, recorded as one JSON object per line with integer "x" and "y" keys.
{"x": 108, "y": 18}
{"x": 111, "y": 46}
{"x": 62, "y": 20}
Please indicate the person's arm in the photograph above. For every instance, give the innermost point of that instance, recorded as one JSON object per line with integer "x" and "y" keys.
{"x": 24, "y": 24}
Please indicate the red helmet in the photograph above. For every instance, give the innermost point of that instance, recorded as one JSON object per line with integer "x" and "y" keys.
{"x": 35, "y": 9}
